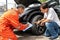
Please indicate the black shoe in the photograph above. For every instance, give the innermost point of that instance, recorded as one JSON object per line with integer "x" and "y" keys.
{"x": 47, "y": 35}
{"x": 53, "y": 38}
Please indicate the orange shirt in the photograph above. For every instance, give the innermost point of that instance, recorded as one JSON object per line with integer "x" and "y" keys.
{"x": 11, "y": 19}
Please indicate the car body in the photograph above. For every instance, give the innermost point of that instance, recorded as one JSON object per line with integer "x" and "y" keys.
{"x": 32, "y": 13}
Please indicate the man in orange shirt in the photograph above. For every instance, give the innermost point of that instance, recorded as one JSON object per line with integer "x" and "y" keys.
{"x": 8, "y": 21}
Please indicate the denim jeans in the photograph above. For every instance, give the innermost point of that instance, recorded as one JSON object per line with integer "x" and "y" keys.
{"x": 59, "y": 31}
{"x": 51, "y": 29}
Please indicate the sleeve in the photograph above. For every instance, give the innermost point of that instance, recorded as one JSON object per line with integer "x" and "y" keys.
{"x": 45, "y": 15}
{"x": 13, "y": 20}
{"x": 51, "y": 14}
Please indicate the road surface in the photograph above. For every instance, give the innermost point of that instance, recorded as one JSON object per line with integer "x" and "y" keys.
{"x": 29, "y": 36}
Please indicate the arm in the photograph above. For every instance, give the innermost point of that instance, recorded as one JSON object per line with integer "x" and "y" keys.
{"x": 45, "y": 16}
{"x": 13, "y": 20}
{"x": 38, "y": 22}
{"x": 50, "y": 17}
{"x": 46, "y": 20}
{"x": 42, "y": 19}
{"x": 43, "y": 22}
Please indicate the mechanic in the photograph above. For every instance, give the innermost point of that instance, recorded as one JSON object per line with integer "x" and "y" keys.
{"x": 50, "y": 20}
{"x": 9, "y": 21}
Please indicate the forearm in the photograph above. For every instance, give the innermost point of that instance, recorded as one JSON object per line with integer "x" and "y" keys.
{"x": 42, "y": 19}
{"x": 43, "y": 22}
{"x": 46, "y": 20}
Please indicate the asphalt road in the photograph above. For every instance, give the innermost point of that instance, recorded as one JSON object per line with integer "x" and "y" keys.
{"x": 29, "y": 36}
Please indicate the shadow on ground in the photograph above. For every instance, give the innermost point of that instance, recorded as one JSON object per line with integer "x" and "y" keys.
{"x": 28, "y": 36}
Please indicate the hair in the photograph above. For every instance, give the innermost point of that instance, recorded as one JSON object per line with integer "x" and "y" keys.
{"x": 44, "y": 5}
{"x": 21, "y": 6}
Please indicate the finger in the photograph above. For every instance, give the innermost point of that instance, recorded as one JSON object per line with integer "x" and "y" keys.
{"x": 42, "y": 24}
{"x": 35, "y": 22}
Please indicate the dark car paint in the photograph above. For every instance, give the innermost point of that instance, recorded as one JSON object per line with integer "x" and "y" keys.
{"x": 27, "y": 2}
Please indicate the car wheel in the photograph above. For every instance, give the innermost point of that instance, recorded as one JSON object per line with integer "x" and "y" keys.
{"x": 37, "y": 29}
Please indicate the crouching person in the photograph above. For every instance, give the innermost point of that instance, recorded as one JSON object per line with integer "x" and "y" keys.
{"x": 10, "y": 20}
{"x": 50, "y": 20}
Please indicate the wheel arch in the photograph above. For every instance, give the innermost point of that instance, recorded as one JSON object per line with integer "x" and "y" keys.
{"x": 33, "y": 14}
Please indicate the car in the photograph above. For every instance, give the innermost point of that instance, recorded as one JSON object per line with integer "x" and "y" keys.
{"x": 32, "y": 13}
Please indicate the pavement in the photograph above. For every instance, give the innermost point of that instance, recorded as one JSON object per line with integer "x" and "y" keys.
{"x": 30, "y": 36}
{"x": 34, "y": 38}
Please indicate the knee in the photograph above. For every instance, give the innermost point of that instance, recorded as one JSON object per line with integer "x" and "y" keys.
{"x": 47, "y": 24}
{"x": 50, "y": 23}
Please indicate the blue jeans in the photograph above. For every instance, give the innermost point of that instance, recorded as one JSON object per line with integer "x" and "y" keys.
{"x": 51, "y": 29}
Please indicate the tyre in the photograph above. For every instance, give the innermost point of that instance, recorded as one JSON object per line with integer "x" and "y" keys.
{"x": 37, "y": 29}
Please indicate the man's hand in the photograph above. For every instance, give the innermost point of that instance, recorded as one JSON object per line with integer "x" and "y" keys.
{"x": 38, "y": 22}
{"x": 42, "y": 23}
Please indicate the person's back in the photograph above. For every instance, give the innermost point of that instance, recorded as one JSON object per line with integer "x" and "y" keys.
{"x": 4, "y": 19}
{"x": 56, "y": 18}
{"x": 5, "y": 24}
{"x": 52, "y": 15}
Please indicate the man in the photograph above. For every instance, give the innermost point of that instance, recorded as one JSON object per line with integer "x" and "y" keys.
{"x": 50, "y": 20}
{"x": 9, "y": 20}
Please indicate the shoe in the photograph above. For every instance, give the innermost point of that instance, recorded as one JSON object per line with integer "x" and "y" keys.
{"x": 54, "y": 39}
{"x": 47, "y": 35}
{"x": 51, "y": 38}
